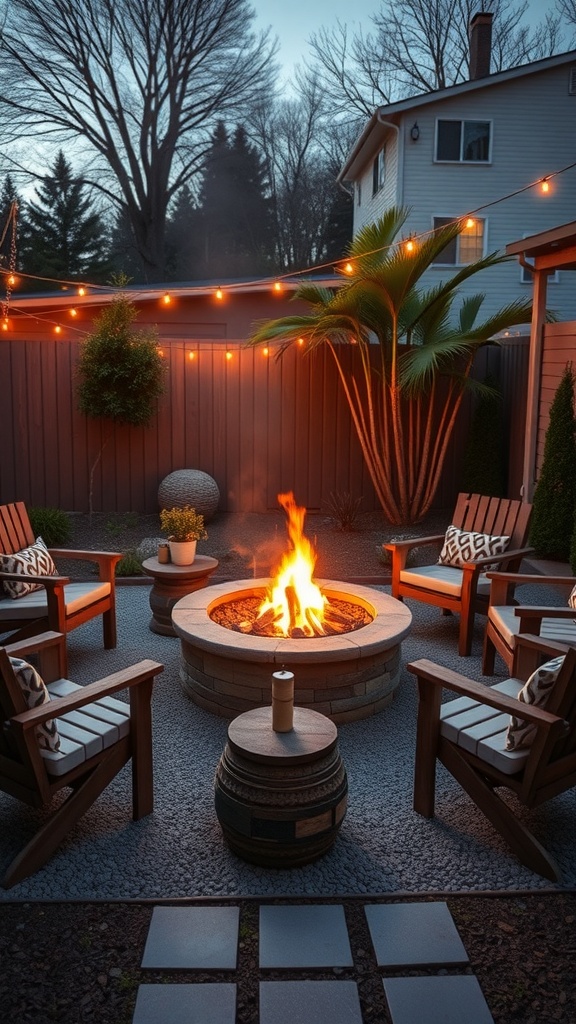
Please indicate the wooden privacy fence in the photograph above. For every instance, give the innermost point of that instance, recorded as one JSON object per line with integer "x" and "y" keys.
{"x": 258, "y": 425}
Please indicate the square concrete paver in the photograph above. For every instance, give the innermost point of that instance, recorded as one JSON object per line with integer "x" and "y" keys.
{"x": 201, "y": 938}
{"x": 304, "y": 936}
{"x": 309, "y": 1002}
{"x": 450, "y": 999}
{"x": 185, "y": 1004}
{"x": 414, "y": 935}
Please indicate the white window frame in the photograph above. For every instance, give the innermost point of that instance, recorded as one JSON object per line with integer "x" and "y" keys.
{"x": 461, "y": 160}
{"x": 379, "y": 171}
{"x": 457, "y": 263}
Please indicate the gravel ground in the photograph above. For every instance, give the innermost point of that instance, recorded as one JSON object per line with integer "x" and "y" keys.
{"x": 77, "y": 962}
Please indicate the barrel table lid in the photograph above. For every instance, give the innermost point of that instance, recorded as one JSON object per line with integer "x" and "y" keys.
{"x": 252, "y": 735}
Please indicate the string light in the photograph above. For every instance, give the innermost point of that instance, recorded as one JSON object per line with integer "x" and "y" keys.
{"x": 277, "y": 286}
{"x": 219, "y": 294}
{"x": 57, "y": 329}
{"x": 300, "y": 341}
{"x": 5, "y": 324}
{"x": 265, "y": 351}
{"x": 73, "y": 312}
{"x": 544, "y": 185}
{"x": 469, "y": 222}
{"x": 410, "y": 245}
{"x": 166, "y": 299}
{"x": 228, "y": 355}
{"x": 12, "y": 280}
{"x": 348, "y": 268}
{"x": 81, "y": 290}
{"x": 191, "y": 356}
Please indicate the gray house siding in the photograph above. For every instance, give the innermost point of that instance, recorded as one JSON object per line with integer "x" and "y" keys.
{"x": 533, "y": 118}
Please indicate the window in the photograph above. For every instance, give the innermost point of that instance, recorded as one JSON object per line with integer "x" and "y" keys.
{"x": 379, "y": 171}
{"x": 466, "y": 248}
{"x": 463, "y": 141}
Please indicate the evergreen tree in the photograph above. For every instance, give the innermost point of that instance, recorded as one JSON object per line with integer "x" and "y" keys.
{"x": 8, "y": 196}
{"x": 124, "y": 256}
{"x": 236, "y": 221}
{"x": 64, "y": 236}
{"x": 183, "y": 244}
{"x": 555, "y": 494}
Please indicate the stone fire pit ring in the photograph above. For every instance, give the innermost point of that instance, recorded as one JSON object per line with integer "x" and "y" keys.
{"x": 346, "y": 677}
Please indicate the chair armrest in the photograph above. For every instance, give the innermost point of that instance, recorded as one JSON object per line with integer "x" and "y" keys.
{"x": 414, "y": 542}
{"x": 105, "y": 560}
{"x": 447, "y": 679}
{"x": 121, "y": 680}
{"x": 505, "y": 556}
{"x": 50, "y": 582}
{"x": 542, "y": 612}
{"x": 548, "y": 648}
{"x": 520, "y": 577}
{"x": 50, "y": 648}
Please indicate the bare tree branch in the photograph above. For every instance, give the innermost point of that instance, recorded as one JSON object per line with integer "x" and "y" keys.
{"x": 140, "y": 83}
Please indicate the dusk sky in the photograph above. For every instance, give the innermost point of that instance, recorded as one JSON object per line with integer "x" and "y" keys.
{"x": 293, "y": 21}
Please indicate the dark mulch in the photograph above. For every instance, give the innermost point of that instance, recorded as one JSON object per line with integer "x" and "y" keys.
{"x": 76, "y": 963}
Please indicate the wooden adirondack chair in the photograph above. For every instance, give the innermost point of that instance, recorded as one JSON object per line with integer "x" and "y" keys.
{"x": 506, "y": 620}
{"x": 98, "y": 736}
{"x": 467, "y": 736}
{"x": 464, "y": 589}
{"x": 61, "y": 605}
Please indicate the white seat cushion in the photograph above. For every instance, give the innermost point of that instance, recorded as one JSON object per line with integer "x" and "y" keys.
{"x": 481, "y": 730}
{"x": 86, "y": 731}
{"x": 31, "y": 606}
{"x": 445, "y": 579}
{"x": 508, "y": 625}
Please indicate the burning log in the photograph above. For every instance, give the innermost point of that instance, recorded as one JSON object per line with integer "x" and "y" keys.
{"x": 293, "y": 607}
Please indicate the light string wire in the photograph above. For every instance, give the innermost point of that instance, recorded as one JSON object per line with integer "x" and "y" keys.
{"x": 273, "y": 281}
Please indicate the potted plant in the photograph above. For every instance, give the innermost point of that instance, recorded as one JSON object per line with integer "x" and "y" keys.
{"x": 184, "y": 527}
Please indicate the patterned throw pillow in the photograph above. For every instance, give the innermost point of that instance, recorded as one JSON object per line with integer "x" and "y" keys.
{"x": 36, "y": 694}
{"x": 572, "y": 599}
{"x": 460, "y": 547}
{"x": 535, "y": 691}
{"x": 33, "y": 561}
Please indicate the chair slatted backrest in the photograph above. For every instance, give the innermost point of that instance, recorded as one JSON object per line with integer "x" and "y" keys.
{"x": 15, "y": 529}
{"x": 496, "y": 516}
{"x": 552, "y": 763}
{"x": 22, "y": 770}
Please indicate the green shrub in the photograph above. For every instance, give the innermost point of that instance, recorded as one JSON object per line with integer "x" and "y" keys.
{"x": 52, "y": 524}
{"x": 344, "y": 509}
{"x": 555, "y": 494}
{"x": 129, "y": 564}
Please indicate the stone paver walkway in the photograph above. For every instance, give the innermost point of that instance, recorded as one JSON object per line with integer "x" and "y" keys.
{"x": 420, "y": 939}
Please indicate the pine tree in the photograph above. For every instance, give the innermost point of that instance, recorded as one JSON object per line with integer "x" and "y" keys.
{"x": 183, "y": 243}
{"x": 8, "y": 196}
{"x": 64, "y": 236}
{"x": 555, "y": 494}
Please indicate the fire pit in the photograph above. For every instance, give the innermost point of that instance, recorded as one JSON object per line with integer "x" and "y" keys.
{"x": 341, "y": 641}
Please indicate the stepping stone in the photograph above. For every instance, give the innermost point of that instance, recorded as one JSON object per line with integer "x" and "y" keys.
{"x": 449, "y": 999}
{"x": 304, "y": 936}
{"x": 309, "y": 1002}
{"x": 200, "y": 938}
{"x": 414, "y": 935}
{"x": 185, "y": 1004}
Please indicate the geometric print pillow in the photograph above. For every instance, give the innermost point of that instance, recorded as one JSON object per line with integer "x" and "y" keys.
{"x": 460, "y": 547}
{"x": 535, "y": 691}
{"x": 572, "y": 599}
{"x": 36, "y": 694}
{"x": 33, "y": 561}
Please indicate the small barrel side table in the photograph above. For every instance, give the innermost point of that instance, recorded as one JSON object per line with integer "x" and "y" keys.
{"x": 171, "y": 582}
{"x": 280, "y": 798}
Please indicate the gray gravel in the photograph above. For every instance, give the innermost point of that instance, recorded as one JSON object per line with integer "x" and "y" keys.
{"x": 178, "y": 851}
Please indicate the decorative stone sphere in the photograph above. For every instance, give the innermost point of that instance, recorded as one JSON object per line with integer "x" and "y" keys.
{"x": 190, "y": 487}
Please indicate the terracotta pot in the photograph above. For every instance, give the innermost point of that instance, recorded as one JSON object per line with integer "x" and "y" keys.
{"x": 182, "y": 552}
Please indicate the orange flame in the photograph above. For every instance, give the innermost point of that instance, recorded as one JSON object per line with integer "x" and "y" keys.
{"x": 293, "y": 597}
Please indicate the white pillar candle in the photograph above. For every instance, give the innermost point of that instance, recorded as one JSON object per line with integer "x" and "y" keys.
{"x": 282, "y": 701}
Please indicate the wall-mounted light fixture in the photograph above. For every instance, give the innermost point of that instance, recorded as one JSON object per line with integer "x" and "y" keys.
{"x": 415, "y": 132}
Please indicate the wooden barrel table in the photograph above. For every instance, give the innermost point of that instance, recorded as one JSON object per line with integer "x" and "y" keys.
{"x": 280, "y": 798}
{"x": 171, "y": 584}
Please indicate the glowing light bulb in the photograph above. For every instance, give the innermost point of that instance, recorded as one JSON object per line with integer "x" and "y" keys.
{"x": 545, "y": 185}
{"x": 228, "y": 355}
{"x": 300, "y": 341}
{"x": 11, "y": 280}
{"x": 73, "y": 312}
{"x": 219, "y": 294}
{"x": 160, "y": 352}
{"x": 4, "y": 325}
{"x": 470, "y": 222}
{"x": 81, "y": 290}
{"x": 57, "y": 329}
{"x": 409, "y": 245}
{"x": 265, "y": 351}
{"x": 277, "y": 286}
{"x": 166, "y": 299}
{"x": 191, "y": 356}
{"x": 348, "y": 268}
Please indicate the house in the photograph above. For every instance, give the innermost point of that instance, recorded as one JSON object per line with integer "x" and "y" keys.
{"x": 472, "y": 151}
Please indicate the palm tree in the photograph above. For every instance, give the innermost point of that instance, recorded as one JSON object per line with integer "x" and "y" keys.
{"x": 415, "y": 354}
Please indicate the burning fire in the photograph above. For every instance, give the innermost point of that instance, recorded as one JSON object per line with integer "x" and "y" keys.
{"x": 294, "y": 604}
